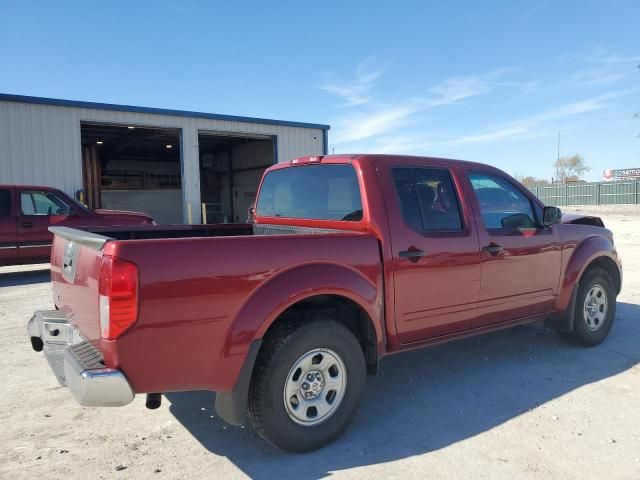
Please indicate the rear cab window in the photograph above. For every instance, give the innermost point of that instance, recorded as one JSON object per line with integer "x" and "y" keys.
{"x": 315, "y": 192}
{"x": 5, "y": 203}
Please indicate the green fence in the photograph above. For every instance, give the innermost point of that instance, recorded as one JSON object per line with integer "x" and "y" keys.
{"x": 599, "y": 193}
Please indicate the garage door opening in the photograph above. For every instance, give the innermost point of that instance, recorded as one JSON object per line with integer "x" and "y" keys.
{"x": 127, "y": 167}
{"x": 230, "y": 171}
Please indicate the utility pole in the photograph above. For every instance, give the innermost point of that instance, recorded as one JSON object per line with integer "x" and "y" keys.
{"x": 558, "y": 158}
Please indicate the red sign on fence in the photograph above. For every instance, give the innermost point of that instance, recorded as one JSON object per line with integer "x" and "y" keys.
{"x": 622, "y": 174}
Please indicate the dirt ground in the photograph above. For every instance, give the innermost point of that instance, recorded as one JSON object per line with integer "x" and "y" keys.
{"x": 514, "y": 404}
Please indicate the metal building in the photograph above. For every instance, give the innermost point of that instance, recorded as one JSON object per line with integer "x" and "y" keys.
{"x": 168, "y": 163}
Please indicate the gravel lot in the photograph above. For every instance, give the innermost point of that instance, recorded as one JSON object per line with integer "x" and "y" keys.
{"x": 514, "y": 404}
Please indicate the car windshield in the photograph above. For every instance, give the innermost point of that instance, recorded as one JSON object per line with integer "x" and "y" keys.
{"x": 318, "y": 192}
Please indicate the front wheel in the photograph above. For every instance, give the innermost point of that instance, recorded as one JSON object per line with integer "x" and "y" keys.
{"x": 308, "y": 383}
{"x": 595, "y": 308}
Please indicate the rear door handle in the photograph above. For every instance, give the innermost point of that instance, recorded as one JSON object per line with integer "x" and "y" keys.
{"x": 493, "y": 248}
{"x": 26, "y": 224}
{"x": 412, "y": 254}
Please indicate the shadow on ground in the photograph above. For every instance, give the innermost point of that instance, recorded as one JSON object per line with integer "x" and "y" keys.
{"x": 12, "y": 279}
{"x": 425, "y": 400}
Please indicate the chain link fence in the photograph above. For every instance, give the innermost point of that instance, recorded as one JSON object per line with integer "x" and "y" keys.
{"x": 597, "y": 193}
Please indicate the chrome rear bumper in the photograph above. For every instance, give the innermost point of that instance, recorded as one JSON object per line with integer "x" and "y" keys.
{"x": 76, "y": 363}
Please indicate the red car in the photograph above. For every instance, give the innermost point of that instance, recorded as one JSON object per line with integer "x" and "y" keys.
{"x": 351, "y": 258}
{"x": 27, "y": 212}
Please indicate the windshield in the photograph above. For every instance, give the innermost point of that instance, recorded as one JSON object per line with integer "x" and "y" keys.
{"x": 318, "y": 192}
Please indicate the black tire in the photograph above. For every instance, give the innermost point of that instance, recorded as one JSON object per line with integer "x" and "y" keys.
{"x": 582, "y": 334}
{"x": 279, "y": 353}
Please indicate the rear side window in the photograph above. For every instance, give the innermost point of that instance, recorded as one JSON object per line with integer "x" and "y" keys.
{"x": 428, "y": 200}
{"x": 42, "y": 203}
{"x": 5, "y": 203}
{"x": 502, "y": 204}
{"x": 318, "y": 192}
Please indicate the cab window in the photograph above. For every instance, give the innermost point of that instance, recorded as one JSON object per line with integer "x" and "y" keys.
{"x": 428, "y": 200}
{"x": 42, "y": 203}
{"x": 502, "y": 204}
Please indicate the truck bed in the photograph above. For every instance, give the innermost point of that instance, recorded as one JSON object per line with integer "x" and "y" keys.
{"x": 204, "y": 291}
{"x": 172, "y": 231}
{"x": 146, "y": 232}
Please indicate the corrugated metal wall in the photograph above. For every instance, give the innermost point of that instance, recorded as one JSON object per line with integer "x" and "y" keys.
{"x": 597, "y": 193}
{"x": 40, "y": 144}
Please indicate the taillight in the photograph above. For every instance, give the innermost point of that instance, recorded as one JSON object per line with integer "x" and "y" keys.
{"x": 118, "y": 289}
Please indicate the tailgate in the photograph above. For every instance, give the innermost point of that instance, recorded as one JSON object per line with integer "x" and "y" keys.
{"x": 75, "y": 270}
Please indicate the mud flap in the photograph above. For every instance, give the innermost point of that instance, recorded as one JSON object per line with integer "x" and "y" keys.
{"x": 563, "y": 323}
{"x": 231, "y": 406}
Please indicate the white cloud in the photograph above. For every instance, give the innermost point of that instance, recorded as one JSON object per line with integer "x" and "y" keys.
{"x": 599, "y": 76}
{"x": 357, "y": 91}
{"x": 364, "y": 124}
{"x": 370, "y": 120}
{"x": 403, "y": 144}
{"x": 605, "y": 69}
{"x": 454, "y": 89}
{"x": 365, "y": 116}
{"x": 528, "y": 125}
{"x": 183, "y": 6}
{"x": 492, "y": 135}
{"x": 603, "y": 56}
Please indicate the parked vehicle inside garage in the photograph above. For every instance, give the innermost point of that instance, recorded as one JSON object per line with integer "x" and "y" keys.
{"x": 27, "y": 212}
{"x": 351, "y": 258}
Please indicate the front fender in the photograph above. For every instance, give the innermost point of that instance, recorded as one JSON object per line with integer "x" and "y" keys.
{"x": 585, "y": 252}
{"x": 278, "y": 293}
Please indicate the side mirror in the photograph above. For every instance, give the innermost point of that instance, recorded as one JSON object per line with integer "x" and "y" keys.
{"x": 251, "y": 213}
{"x": 67, "y": 212}
{"x": 516, "y": 221}
{"x": 551, "y": 216}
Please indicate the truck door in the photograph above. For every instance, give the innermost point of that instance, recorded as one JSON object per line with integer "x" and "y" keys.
{"x": 520, "y": 257}
{"x": 436, "y": 257}
{"x": 8, "y": 233}
{"x": 38, "y": 210}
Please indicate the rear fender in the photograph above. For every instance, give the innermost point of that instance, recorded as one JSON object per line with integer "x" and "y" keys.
{"x": 269, "y": 301}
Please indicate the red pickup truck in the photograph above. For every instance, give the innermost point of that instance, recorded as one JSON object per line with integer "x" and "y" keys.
{"x": 350, "y": 258}
{"x": 27, "y": 212}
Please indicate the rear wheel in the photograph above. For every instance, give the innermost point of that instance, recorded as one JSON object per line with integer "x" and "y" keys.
{"x": 595, "y": 308}
{"x": 307, "y": 385}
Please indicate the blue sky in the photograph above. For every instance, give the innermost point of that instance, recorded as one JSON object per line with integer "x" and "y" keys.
{"x": 488, "y": 81}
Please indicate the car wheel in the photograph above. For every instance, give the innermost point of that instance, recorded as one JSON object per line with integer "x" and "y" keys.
{"x": 595, "y": 308}
{"x": 307, "y": 385}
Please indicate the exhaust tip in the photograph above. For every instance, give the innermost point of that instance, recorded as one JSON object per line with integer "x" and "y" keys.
{"x": 154, "y": 400}
{"x": 36, "y": 343}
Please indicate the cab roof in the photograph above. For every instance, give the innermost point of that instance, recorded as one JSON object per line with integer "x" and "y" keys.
{"x": 369, "y": 157}
{"x": 28, "y": 187}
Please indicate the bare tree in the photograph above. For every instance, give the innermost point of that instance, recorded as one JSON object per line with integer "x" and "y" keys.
{"x": 570, "y": 167}
{"x": 530, "y": 182}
